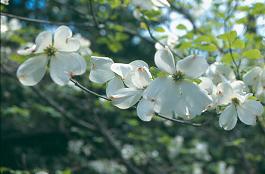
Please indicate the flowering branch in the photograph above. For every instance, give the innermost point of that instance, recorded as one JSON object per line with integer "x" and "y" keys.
{"x": 76, "y": 83}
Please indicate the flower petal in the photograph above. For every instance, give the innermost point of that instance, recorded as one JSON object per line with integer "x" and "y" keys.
{"x": 138, "y": 63}
{"x": 192, "y": 66}
{"x": 207, "y": 84}
{"x": 228, "y": 118}
{"x": 126, "y": 97}
{"x": 114, "y": 85}
{"x": 43, "y": 40}
{"x": 223, "y": 93}
{"x": 63, "y": 40}
{"x": 32, "y": 70}
{"x": 192, "y": 100}
{"x": 249, "y": 110}
{"x": 253, "y": 76}
{"x": 164, "y": 60}
{"x": 164, "y": 93}
{"x": 145, "y": 110}
{"x": 121, "y": 69}
{"x": 176, "y": 98}
{"x": 141, "y": 78}
{"x": 65, "y": 65}
{"x": 100, "y": 71}
{"x": 220, "y": 72}
{"x": 239, "y": 87}
{"x": 27, "y": 50}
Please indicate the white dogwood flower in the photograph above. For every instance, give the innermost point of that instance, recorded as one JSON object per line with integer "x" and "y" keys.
{"x": 58, "y": 48}
{"x": 174, "y": 95}
{"x": 239, "y": 106}
{"x": 136, "y": 81}
{"x": 100, "y": 72}
{"x": 220, "y": 72}
{"x": 256, "y": 79}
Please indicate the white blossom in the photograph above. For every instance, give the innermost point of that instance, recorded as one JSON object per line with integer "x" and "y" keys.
{"x": 220, "y": 72}
{"x": 238, "y": 105}
{"x": 255, "y": 78}
{"x": 137, "y": 78}
{"x": 174, "y": 95}
{"x": 58, "y": 48}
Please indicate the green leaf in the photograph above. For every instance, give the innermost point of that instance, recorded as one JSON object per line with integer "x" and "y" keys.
{"x": 252, "y": 54}
{"x": 181, "y": 27}
{"x": 207, "y": 47}
{"x": 243, "y": 20}
{"x": 203, "y": 39}
{"x": 185, "y": 45}
{"x": 238, "y": 44}
{"x": 160, "y": 29}
{"x": 228, "y": 58}
{"x": 229, "y": 36}
{"x": 143, "y": 25}
{"x": 243, "y": 8}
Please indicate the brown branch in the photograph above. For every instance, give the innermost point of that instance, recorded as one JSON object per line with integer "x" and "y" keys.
{"x": 45, "y": 21}
{"x": 76, "y": 83}
{"x": 156, "y": 40}
{"x": 93, "y": 14}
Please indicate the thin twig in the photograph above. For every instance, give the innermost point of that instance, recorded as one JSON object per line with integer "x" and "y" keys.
{"x": 76, "y": 83}
{"x": 156, "y": 40}
{"x": 180, "y": 121}
{"x": 93, "y": 14}
{"x": 45, "y": 21}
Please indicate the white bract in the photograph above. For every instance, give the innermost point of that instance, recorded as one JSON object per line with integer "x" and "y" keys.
{"x": 135, "y": 76}
{"x": 220, "y": 72}
{"x": 136, "y": 81}
{"x": 175, "y": 95}
{"x": 84, "y": 49}
{"x": 58, "y": 48}
{"x": 255, "y": 78}
{"x": 101, "y": 72}
{"x": 238, "y": 106}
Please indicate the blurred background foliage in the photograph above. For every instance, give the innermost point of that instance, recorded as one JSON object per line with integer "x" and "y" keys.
{"x": 53, "y": 129}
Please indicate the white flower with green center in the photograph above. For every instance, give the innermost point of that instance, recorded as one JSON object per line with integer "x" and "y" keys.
{"x": 220, "y": 72}
{"x": 176, "y": 95}
{"x": 60, "y": 50}
{"x": 220, "y": 94}
{"x": 256, "y": 79}
{"x": 238, "y": 106}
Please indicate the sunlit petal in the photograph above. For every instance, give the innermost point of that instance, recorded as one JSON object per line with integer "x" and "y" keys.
{"x": 32, "y": 70}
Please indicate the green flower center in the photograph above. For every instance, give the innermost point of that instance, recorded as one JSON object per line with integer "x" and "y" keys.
{"x": 50, "y": 51}
{"x": 235, "y": 101}
{"x": 178, "y": 76}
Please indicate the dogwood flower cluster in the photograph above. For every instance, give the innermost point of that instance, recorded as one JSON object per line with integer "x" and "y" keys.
{"x": 184, "y": 88}
{"x": 231, "y": 94}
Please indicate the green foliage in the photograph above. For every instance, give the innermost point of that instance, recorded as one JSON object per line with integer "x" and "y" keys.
{"x": 252, "y": 54}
